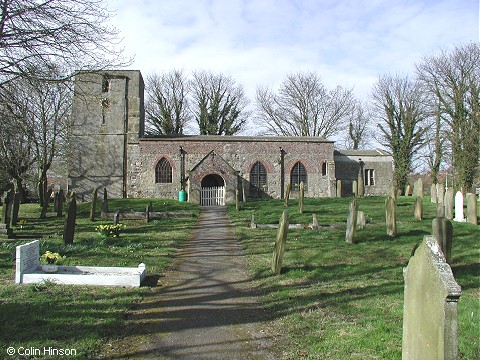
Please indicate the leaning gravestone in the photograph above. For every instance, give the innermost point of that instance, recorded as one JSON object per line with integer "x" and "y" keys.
{"x": 418, "y": 188}
{"x": 459, "y": 207}
{"x": 391, "y": 216}
{"x": 443, "y": 231}
{"x": 448, "y": 202}
{"x": 431, "y": 297}
{"x": 433, "y": 193}
{"x": 472, "y": 209}
{"x": 418, "y": 212}
{"x": 93, "y": 207}
{"x": 339, "y": 188}
{"x": 70, "y": 218}
{"x": 279, "y": 249}
{"x": 352, "y": 222}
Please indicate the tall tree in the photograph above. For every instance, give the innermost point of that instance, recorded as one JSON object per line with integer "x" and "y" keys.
{"x": 74, "y": 34}
{"x": 219, "y": 104}
{"x": 166, "y": 105}
{"x": 454, "y": 79}
{"x": 304, "y": 107}
{"x": 358, "y": 128}
{"x": 399, "y": 106}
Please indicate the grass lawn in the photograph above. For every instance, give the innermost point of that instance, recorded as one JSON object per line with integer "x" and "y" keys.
{"x": 335, "y": 300}
{"x": 84, "y": 317}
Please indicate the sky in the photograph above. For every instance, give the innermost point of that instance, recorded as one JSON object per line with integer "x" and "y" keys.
{"x": 259, "y": 42}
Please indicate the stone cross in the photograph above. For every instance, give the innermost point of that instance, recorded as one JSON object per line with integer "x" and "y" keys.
{"x": 472, "y": 209}
{"x": 443, "y": 231}
{"x": 70, "y": 218}
{"x": 280, "y": 242}
{"x": 430, "y": 305}
{"x": 459, "y": 207}
{"x": 448, "y": 202}
{"x": 352, "y": 222}
{"x": 391, "y": 216}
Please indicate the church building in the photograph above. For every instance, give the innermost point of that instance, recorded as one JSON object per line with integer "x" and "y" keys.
{"x": 110, "y": 150}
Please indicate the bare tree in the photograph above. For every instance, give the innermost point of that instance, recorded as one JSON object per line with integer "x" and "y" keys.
{"x": 219, "y": 104}
{"x": 399, "y": 106}
{"x": 304, "y": 107}
{"x": 358, "y": 129}
{"x": 167, "y": 103}
{"x": 74, "y": 34}
{"x": 454, "y": 80}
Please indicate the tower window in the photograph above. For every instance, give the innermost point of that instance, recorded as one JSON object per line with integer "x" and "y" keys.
{"x": 163, "y": 171}
{"x": 298, "y": 175}
{"x": 324, "y": 168}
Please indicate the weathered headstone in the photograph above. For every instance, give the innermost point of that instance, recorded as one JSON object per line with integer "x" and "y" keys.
{"x": 105, "y": 202}
{"x": 418, "y": 212}
{"x": 440, "y": 210}
{"x": 148, "y": 209}
{"x": 361, "y": 220}
{"x": 418, "y": 188}
{"x": 433, "y": 193}
{"x": 252, "y": 222}
{"x": 351, "y": 222}
{"x": 459, "y": 207}
{"x": 116, "y": 218}
{"x": 60, "y": 200}
{"x": 448, "y": 202}
{"x": 472, "y": 209}
{"x": 236, "y": 199}
{"x": 391, "y": 216}
{"x": 430, "y": 305}
{"x": 70, "y": 219}
{"x": 26, "y": 259}
{"x": 279, "y": 249}
{"x": 93, "y": 207}
{"x": 407, "y": 190}
{"x": 287, "y": 194}
{"x": 301, "y": 198}
{"x": 15, "y": 208}
{"x": 440, "y": 193}
{"x": 443, "y": 231}
{"x": 314, "y": 222}
{"x": 339, "y": 188}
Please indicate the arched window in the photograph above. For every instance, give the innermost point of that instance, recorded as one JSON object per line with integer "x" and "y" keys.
{"x": 297, "y": 175}
{"x": 258, "y": 176}
{"x": 163, "y": 171}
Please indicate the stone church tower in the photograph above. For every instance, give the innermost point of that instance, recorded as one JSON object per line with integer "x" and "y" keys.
{"x": 108, "y": 120}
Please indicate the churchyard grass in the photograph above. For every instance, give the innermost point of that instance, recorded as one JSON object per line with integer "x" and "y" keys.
{"x": 84, "y": 317}
{"x": 335, "y": 300}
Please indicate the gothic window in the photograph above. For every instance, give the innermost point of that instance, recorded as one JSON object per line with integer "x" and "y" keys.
{"x": 258, "y": 176}
{"x": 369, "y": 178}
{"x": 163, "y": 171}
{"x": 298, "y": 175}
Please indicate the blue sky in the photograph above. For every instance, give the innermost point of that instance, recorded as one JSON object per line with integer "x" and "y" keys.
{"x": 259, "y": 42}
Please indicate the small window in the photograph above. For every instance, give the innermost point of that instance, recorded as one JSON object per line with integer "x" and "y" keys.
{"x": 324, "y": 168}
{"x": 163, "y": 171}
{"x": 298, "y": 175}
{"x": 369, "y": 178}
{"x": 258, "y": 177}
{"x": 105, "y": 84}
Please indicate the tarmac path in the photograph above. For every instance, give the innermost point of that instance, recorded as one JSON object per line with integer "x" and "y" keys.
{"x": 205, "y": 308}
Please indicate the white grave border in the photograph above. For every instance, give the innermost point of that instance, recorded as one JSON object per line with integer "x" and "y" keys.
{"x": 29, "y": 271}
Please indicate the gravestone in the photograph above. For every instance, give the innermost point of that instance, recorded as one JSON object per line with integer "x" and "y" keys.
{"x": 252, "y": 222}
{"x": 472, "y": 209}
{"x": 448, "y": 202}
{"x": 315, "y": 222}
{"x": 440, "y": 193}
{"x": 105, "y": 202}
{"x": 93, "y": 207}
{"x": 116, "y": 218}
{"x": 148, "y": 209}
{"x": 55, "y": 201}
{"x": 15, "y": 208}
{"x": 60, "y": 200}
{"x": 351, "y": 222}
{"x": 394, "y": 190}
{"x": 430, "y": 306}
{"x": 287, "y": 194}
{"x": 361, "y": 220}
{"x": 418, "y": 212}
{"x": 391, "y": 216}
{"x": 443, "y": 231}
{"x": 339, "y": 188}
{"x": 360, "y": 185}
{"x": 354, "y": 188}
{"x": 280, "y": 242}
{"x": 407, "y": 190}
{"x": 418, "y": 188}
{"x": 5, "y": 229}
{"x": 433, "y": 193}
{"x": 244, "y": 196}
{"x": 459, "y": 207}
{"x": 70, "y": 218}
{"x": 301, "y": 198}
{"x": 26, "y": 259}
{"x": 236, "y": 199}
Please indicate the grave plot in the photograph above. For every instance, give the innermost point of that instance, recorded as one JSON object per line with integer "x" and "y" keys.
{"x": 29, "y": 271}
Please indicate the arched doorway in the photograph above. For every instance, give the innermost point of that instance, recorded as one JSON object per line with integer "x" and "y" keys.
{"x": 213, "y": 191}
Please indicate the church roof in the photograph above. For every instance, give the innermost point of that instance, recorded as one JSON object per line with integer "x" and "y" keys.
{"x": 235, "y": 138}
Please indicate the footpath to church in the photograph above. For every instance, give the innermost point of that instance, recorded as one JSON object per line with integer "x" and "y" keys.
{"x": 205, "y": 308}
